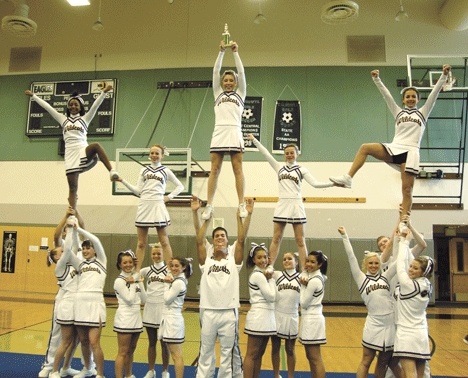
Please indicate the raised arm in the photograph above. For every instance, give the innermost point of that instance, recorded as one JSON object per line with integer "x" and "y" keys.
{"x": 405, "y": 281}
{"x": 270, "y": 159}
{"x": 421, "y": 244}
{"x": 241, "y": 82}
{"x": 98, "y": 248}
{"x": 431, "y": 99}
{"x": 391, "y": 104}
{"x": 242, "y": 230}
{"x": 217, "y": 71}
{"x": 60, "y": 118}
{"x": 96, "y": 104}
{"x": 358, "y": 275}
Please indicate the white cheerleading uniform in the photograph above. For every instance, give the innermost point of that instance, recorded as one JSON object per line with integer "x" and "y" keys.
{"x": 411, "y": 340}
{"x": 312, "y": 331}
{"x": 55, "y": 335}
{"x": 375, "y": 290}
{"x": 173, "y": 325}
{"x": 75, "y": 130}
{"x": 90, "y": 308}
{"x": 290, "y": 208}
{"x": 67, "y": 277}
{"x": 410, "y": 125}
{"x": 219, "y": 304}
{"x": 228, "y": 108}
{"x": 151, "y": 187}
{"x": 154, "y": 276}
{"x": 288, "y": 289}
{"x": 130, "y": 297}
{"x": 260, "y": 320}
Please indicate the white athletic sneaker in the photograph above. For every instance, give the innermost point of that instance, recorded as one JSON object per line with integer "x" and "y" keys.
{"x": 45, "y": 371}
{"x": 114, "y": 175}
{"x": 165, "y": 374}
{"x": 55, "y": 374}
{"x": 69, "y": 371}
{"x": 150, "y": 374}
{"x": 345, "y": 180}
{"x": 209, "y": 209}
{"x": 71, "y": 222}
{"x": 132, "y": 376}
{"x": 86, "y": 373}
{"x": 242, "y": 210}
{"x": 403, "y": 228}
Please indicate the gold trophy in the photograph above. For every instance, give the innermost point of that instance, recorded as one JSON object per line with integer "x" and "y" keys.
{"x": 226, "y": 36}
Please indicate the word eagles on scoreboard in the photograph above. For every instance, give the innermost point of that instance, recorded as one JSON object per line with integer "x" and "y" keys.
{"x": 41, "y": 123}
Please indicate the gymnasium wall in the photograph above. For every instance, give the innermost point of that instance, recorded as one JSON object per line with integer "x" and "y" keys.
{"x": 341, "y": 109}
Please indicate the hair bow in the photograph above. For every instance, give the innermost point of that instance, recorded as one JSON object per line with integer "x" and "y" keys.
{"x": 254, "y": 246}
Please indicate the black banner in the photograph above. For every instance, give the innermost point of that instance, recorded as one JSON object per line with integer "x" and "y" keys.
{"x": 9, "y": 252}
{"x": 56, "y": 93}
{"x": 252, "y": 120}
{"x": 287, "y": 125}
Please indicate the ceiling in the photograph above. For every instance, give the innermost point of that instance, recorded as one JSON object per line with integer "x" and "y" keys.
{"x": 147, "y": 34}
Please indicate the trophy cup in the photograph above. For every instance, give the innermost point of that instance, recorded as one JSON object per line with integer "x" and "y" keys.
{"x": 226, "y": 36}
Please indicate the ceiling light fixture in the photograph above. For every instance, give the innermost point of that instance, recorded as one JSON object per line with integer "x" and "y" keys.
{"x": 401, "y": 15}
{"x": 260, "y": 17}
{"x": 78, "y": 3}
{"x": 98, "y": 26}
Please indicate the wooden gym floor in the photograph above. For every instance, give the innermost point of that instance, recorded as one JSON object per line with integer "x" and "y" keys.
{"x": 25, "y": 325}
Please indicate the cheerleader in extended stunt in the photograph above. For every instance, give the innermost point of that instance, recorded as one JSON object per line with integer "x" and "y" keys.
{"x": 290, "y": 208}
{"x": 79, "y": 156}
{"x": 379, "y": 330}
{"x": 412, "y": 294}
{"x": 403, "y": 151}
{"x": 152, "y": 212}
{"x": 229, "y": 91}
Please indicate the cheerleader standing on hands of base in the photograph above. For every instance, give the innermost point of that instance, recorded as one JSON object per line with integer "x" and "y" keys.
{"x": 290, "y": 208}
{"x": 152, "y": 211}
{"x": 403, "y": 152}
{"x": 229, "y": 91}
{"x": 312, "y": 331}
{"x": 260, "y": 321}
{"x": 79, "y": 156}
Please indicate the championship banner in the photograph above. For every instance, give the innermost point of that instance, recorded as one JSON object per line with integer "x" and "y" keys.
{"x": 9, "y": 252}
{"x": 251, "y": 120}
{"x": 287, "y": 127}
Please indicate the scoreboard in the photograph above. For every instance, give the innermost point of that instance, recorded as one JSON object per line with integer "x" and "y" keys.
{"x": 57, "y": 93}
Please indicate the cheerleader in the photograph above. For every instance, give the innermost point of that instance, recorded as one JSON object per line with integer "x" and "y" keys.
{"x": 260, "y": 322}
{"x": 152, "y": 312}
{"x": 64, "y": 317}
{"x": 55, "y": 338}
{"x": 79, "y": 156}
{"x": 379, "y": 329}
{"x": 90, "y": 308}
{"x": 173, "y": 325}
{"x": 312, "y": 331}
{"x": 290, "y": 208}
{"x": 412, "y": 293}
{"x": 403, "y": 152}
{"x": 288, "y": 288}
{"x": 229, "y": 91}
{"x": 152, "y": 210}
{"x": 127, "y": 320}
